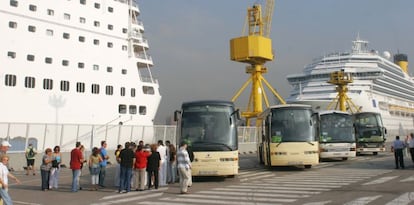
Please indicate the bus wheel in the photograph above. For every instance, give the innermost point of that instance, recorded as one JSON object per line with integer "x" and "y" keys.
{"x": 375, "y": 153}
{"x": 344, "y": 158}
{"x": 308, "y": 166}
{"x": 358, "y": 154}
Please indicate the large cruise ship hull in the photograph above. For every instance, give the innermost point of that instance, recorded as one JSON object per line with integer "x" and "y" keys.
{"x": 374, "y": 83}
{"x": 74, "y": 70}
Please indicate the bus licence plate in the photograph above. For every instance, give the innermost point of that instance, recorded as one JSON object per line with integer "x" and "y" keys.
{"x": 207, "y": 172}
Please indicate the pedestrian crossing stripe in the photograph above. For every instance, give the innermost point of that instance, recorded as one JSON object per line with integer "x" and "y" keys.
{"x": 363, "y": 200}
{"x": 403, "y": 199}
{"x": 207, "y": 201}
{"x": 250, "y": 197}
{"x": 125, "y": 198}
{"x": 257, "y": 177}
{"x": 271, "y": 186}
{"x": 380, "y": 180}
{"x": 409, "y": 179}
{"x": 250, "y": 190}
{"x": 318, "y": 203}
{"x": 236, "y": 193}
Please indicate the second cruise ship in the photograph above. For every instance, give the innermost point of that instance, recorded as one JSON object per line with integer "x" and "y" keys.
{"x": 381, "y": 83}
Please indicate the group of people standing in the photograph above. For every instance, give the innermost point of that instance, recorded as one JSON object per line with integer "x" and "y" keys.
{"x": 50, "y": 168}
{"x": 97, "y": 163}
{"x": 138, "y": 166}
{"x": 142, "y": 166}
{"x": 145, "y": 166}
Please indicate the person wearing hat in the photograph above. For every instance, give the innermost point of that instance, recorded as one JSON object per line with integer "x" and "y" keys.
{"x": 184, "y": 167}
{"x": 4, "y": 147}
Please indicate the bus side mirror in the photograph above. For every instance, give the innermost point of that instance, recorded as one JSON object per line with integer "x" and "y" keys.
{"x": 177, "y": 114}
{"x": 237, "y": 113}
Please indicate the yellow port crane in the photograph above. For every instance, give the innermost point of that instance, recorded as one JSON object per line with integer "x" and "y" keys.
{"x": 341, "y": 80}
{"x": 255, "y": 49}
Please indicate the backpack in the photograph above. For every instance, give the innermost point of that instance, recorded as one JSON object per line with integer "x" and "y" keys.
{"x": 31, "y": 153}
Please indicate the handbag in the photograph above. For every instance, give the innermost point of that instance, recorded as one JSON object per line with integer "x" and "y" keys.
{"x": 55, "y": 163}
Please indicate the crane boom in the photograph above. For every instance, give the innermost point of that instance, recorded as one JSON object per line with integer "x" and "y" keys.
{"x": 268, "y": 17}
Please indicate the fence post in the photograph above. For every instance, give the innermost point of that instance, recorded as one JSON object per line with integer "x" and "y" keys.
{"x": 44, "y": 137}
{"x": 61, "y": 135}
{"x": 119, "y": 132}
{"x": 132, "y": 132}
{"x": 27, "y": 135}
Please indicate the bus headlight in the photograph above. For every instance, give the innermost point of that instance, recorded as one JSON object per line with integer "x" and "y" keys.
{"x": 311, "y": 152}
{"x": 228, "y": 159}
{"x": 278, "y": 153}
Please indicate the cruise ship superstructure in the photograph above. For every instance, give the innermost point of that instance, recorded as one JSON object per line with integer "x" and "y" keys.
{"x": 380, "y": 84}
{"x": 75, "y": 62}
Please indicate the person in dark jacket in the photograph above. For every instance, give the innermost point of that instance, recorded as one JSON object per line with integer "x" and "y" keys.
{"x": 153, "y": 166}
{"x": 127, "y": 160}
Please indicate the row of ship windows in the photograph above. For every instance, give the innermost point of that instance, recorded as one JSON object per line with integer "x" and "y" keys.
{"x": 30, "y": 82}
{"x": 67, "y": 16}
{"x": 50, "y": 32}
{"x": 122, "y": 109}
{"x": 49, "y": 60}
{"x": 327, "y": 76}
{"x": 32, "y": 7}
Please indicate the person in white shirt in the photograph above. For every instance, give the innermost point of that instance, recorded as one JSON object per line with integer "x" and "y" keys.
{"x": 184, "y": 167}
{"x": 163, "y": 164}
{"x": 4, "y": 182}
{"x": 410, "y": 142}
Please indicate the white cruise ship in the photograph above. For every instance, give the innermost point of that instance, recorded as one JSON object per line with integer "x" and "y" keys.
{"x": 381, "y": 84}
{"x": 75, "y": 61}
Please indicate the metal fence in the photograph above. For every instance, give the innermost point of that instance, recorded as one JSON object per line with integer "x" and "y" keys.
{"x": 42, "y": 136}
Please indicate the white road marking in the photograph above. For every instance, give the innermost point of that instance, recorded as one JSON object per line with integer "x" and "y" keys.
{"x": 363, "y": 200}
{"x": 236, "y": 193}
{"x": 318, "y": 203}
{"x": 125, "y": 198}
{"x": 380, "y": 180}
{"x": 405, "y": 198}
{"x": 409, "y": 179}
{"x": 249, "y": 190}
{"x": 197, "y": 201}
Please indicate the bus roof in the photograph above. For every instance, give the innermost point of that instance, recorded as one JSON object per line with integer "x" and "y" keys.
{"x": 325, "y": 112}
{"x": 361, "y": 113}
{"x": 207, "y": 102}
{"x": 289, "y": 105}
{"x": 265, "y": 112}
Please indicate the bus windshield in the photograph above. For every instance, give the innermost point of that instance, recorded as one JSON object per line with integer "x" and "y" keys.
{"x": 292, "y": 125}
{"x": 368, "y": 127}
{"x": 337, "y": 127}
{"x": 209, "y": 128}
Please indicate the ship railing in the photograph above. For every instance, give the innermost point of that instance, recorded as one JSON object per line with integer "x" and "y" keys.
{"x": 43, "y": 136}
{"x": 138, "y": 40}
{"x": 144, "y": 56}
{"x": 148, "y": 79}
{"x": 134, "y": 3}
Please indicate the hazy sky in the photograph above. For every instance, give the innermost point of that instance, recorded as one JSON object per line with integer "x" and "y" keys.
{"x": 189, "y": 41}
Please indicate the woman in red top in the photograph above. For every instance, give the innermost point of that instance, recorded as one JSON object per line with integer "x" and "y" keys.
{"x": 140, "y": 166}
